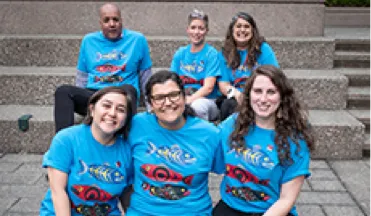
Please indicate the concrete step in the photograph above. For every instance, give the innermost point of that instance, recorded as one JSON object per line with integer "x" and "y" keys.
{"x": 348, "y": 59}
{"x": 366, "y": 146}
{"x": 162, "y": 17}
{"x": 355, "y": 44}
{"x": 356, "y": 76}
{"x": 363, "y": 116}
{"x": 318, "y": 89}
{"x": 339, "y": 135}
{"x": 62, "y": 50}
{"x": 358, "y": 97}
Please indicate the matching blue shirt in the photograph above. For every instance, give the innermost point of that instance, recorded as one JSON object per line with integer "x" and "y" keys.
{"x": 172, "y": 166}
{"x": 97, "y": 174}
{"x": 194, "y": 68}
{"x": 253, "y": 177}
{"x": 238, "y": 77}
{"x": 114, "y": 63}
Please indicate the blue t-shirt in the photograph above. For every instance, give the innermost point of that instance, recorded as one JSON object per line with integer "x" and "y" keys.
{"x": 171, "y": 167}
{"x": 113, "y": 63}
{"x": 253, "y": 177}
{"x": 238, "y": 77}
{"x": 194, "y": 68}
{"x": 97, "y": 174}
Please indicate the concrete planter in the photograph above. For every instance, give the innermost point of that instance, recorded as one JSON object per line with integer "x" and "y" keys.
{"x": 347, "y": 17}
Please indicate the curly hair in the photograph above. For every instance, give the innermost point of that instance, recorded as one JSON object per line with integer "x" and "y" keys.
{"x": 229, "y": 48}
{"x": 292, "y": 122}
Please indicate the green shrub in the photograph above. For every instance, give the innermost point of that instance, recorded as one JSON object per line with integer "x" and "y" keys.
{"x": 348, "y": 3}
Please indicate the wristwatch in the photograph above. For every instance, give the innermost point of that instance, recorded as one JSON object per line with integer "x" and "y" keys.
{"x": 230, "y": 92}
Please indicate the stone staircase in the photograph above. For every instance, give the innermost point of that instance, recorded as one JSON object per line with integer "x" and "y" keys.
{"x": 352, "y": 58}
{"x": 35, "y": 58}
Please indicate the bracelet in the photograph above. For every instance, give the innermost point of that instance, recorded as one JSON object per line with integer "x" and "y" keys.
{"x": 231, "y": 92}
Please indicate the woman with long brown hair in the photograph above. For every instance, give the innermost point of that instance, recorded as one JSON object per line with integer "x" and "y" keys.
{"x": 244, "y": 49}
{"x": 266, "y": 147}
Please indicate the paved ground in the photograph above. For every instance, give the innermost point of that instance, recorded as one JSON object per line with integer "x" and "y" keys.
{"x": 335, "y": 187}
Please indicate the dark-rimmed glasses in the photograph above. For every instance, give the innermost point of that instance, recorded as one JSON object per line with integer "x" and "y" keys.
{"x": 159, "y": 99}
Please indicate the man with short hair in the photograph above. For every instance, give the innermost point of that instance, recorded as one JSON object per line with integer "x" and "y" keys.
{"x": 111, "y": 57}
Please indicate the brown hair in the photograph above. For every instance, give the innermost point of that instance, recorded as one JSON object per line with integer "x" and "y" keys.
{"x": 229, "y": 48}
{"x": 112, "y": 89}
{"x": 291, "y": 124}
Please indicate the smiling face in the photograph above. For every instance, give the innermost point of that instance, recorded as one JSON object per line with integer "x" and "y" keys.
{"x": 197, "y": 31}
{"x": 110, "y": 22}
{"x": 264, "y": 99}
{"x": 242, "y": 32}
{"x": 109, "y": 115}
{"x": 168, "y": 104}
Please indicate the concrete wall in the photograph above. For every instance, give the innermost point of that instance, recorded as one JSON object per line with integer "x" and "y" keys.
{"x": 274, "y": 17}
{"x": 347, "y": 17}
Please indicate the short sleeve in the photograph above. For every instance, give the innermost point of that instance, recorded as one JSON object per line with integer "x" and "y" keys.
{"x": 81, "y": 61}
{"x": 213, "y": 69}
{"x": 146, "y": 59}
{"x": 218, "y": 160}
{"x": 174, "y": 67}
{"x": 300, "y": 165}
{"x": 60, "y": 154}
{"x": 224, "y": 69}
{"x": 268, "y": 57}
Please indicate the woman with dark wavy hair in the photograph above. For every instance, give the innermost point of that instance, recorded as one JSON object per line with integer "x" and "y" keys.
{"x": 244, "y": 49}
{"x": 266, "y": 149}
{"x": 173, "y": 153}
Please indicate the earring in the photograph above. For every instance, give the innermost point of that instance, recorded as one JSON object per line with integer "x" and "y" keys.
{"x": 279, "y": 113}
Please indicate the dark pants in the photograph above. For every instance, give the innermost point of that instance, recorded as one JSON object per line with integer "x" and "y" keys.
{"x": 70, "y": 99}
{"x": 222, "y": 209}
{"x": 226, "y": 107}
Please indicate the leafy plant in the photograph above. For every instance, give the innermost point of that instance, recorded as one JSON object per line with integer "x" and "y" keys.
{"x": 347, "y": 3}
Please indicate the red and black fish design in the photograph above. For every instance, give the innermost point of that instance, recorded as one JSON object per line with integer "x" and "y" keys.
{"x": 86, "y": 192}
{"x": 164, "y": 174}
{"x": 243, "y": 175}
{"x": 110, "y": 68}
{"x": 190, "y": 80}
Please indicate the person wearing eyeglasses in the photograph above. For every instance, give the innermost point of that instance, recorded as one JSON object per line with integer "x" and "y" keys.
{"x": 243, "y": 50}
{"x": 266, "y": 147}
{"x": 111, "y": 57}
{"x": 173, "y": 153}
{"x": 198, "y": 66}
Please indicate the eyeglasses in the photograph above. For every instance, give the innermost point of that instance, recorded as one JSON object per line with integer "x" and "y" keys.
{"x": 160, "y": 99}
{"x": 197, "y": 14}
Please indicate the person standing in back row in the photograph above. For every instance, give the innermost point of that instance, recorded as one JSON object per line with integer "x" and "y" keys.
{"x": 111, "y": 57}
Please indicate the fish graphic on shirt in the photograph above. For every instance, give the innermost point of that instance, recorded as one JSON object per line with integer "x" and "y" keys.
{"x": 96, "y": 210}
{"x": 168, "y": 192}
{"x": 110, "y": 68}
{"x": 247, "y": 194}
{"x": 164, "y": 174}
{"x": 104, "y": 173}
{"x": 254, "y": 157}
{"x": 242, "y": 175}
{"x": 87, "y": 192}
{"x": 173, "y": 153}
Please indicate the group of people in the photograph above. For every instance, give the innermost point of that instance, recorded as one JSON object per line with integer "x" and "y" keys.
{"x": 164, "y": 156}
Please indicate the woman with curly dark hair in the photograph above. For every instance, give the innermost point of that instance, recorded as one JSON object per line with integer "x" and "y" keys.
{"x": 244, "y": 49}
{"x": 266, "y": 149}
